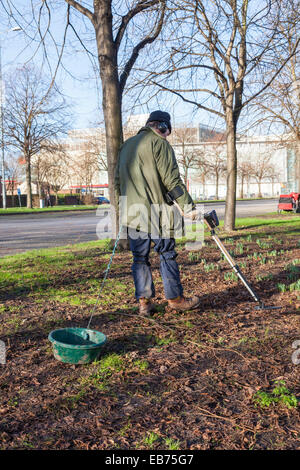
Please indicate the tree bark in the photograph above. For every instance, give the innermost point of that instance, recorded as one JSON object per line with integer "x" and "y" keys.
{"x": 28, "y": 183}
{"x": 217, "y": 186}
{"x": 259, "y": 189}
{"x": 111, "y": 96}
{"x": 229, "y": 221}
{"x": 242, "y": 187}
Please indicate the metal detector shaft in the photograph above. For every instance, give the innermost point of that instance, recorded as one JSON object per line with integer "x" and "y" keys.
{"x": 234, "y": 266}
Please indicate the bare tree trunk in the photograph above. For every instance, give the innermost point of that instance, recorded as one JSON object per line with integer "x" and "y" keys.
{"x": 259, "y": 188}
{"x": 12, "y": 193}
{"x": 28, "y": 184}
{"x": 112, "y": 101}
{"x": 217, "y": 186}
{"x": 242, "y": 187}
{"x": 229, "y": 220}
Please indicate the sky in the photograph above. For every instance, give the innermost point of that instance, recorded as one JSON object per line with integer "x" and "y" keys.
{"x": 18, "y": 49}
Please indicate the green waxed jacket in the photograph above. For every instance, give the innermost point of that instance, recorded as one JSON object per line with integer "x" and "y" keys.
{"x": 147, "y": 169}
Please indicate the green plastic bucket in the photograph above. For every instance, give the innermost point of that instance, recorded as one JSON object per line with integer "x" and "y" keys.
{"x": 76, "y": 345}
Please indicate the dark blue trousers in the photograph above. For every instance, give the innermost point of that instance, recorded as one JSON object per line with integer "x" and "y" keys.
{"x": 141, "y": 271}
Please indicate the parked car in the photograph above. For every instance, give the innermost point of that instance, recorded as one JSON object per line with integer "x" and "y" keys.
{"x": 102, "y": 200}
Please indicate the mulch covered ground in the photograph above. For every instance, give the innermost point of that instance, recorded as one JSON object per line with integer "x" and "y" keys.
{"x": 181, "y": 381}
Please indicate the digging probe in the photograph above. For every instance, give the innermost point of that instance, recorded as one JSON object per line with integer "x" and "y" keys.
{"x": 211, "y": 220}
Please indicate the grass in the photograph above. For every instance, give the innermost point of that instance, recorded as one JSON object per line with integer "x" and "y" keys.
{"x": 171, "y": 444}
{"x": 280, "y": 395}
{"x": 150, "y": 439}
{"x": 25, "y": 210}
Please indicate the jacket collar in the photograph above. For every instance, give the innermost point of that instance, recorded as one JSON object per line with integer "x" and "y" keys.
{"x": 148, "y": 128}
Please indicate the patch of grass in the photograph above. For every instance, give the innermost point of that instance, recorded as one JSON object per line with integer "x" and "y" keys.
{"x": 193, "y": 256}
{"x": 230, "y": 277}
{"x": 279, "y": 395}
{"x": 281, "y": 287}
{"x": 165, "y": 341}
{"x": 239, "y": 248}
{"x": 211, "y": 267}
{"x": 25, "y": 210}
{"x": 98, "y": 378}
{"x": 150, "y": 439}
{"x": 171, "y": 444}
{"x": 112, "y": 362}
{"x": 141, "y": 365}
{"x": 124, "y": 429}
{"x": 262, "y": 244}
{"x": 295, "y": 286}
{"x": 68, "y": 296}
{"x": 293, "y": 271}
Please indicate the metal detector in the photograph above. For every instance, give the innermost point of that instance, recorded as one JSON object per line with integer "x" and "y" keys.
{"x": 212, "y": 221}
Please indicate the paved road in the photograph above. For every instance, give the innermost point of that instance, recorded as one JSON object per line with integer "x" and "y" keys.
{"x": 19, "y": 233}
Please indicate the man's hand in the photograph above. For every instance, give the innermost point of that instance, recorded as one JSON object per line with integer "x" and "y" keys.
{"x": 194, "y": 214}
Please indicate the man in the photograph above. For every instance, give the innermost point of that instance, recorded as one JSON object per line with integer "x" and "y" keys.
{"x": 146, "y": 173}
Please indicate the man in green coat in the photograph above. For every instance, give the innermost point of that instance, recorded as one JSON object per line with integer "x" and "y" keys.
{"x": 147, "y": 179}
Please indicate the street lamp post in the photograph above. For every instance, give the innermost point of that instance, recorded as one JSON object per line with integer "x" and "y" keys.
{"x": 17, "y": 28}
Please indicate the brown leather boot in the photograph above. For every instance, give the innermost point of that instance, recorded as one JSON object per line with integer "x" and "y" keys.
{"x": 181, "y": 303}
{"x": 146, "y": 307}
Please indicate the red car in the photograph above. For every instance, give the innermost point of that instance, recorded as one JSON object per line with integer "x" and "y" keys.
{"x": 289, "y": 202}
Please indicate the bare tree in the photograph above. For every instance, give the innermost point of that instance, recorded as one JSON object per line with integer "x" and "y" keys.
{"x": 58, "y": 175}
{"x": 36, "y": 113}
{"x": 203, "y": 170}
{"x": 224, "y": 45}
{"x": 96, "y": 149}
{"x": 46, "y": 162}
{"x": 273, "y": 175}
{"x": 261, "y": 168}
{"x": 86, "y": 167}
{"x": 245, "y": 171}
{"x": 13, "y": 171}
{"x": 216, "y": 161}
{"x": 187, "y": 156}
